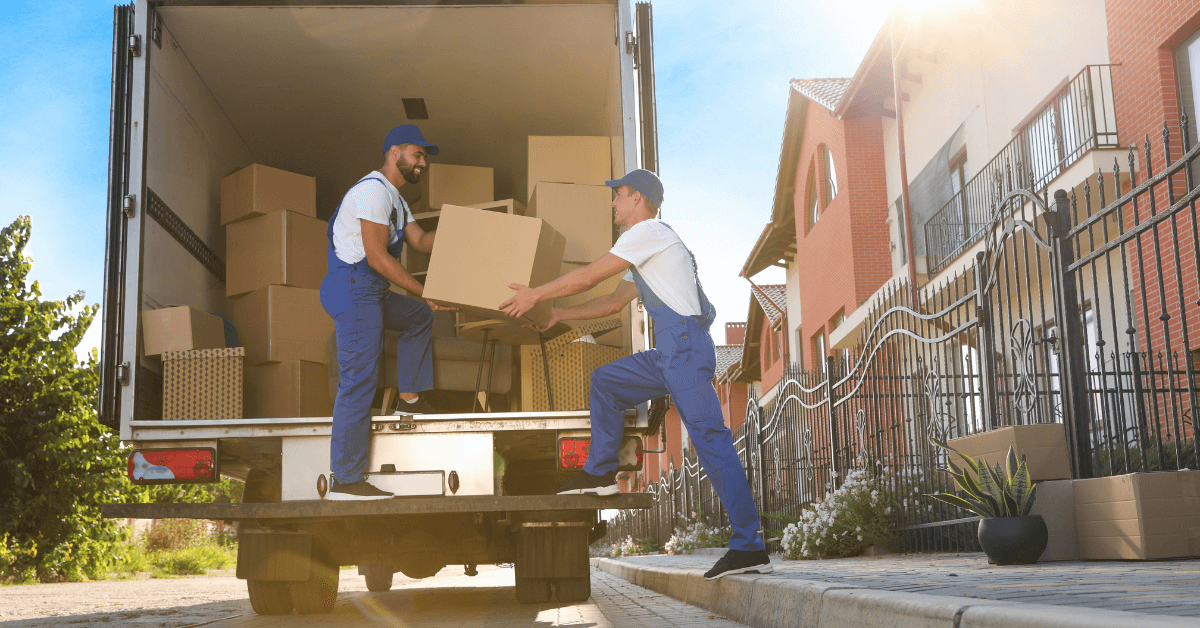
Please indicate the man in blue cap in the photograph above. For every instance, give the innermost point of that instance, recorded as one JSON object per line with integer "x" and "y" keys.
{"x": 662, "y": 271}
{"x": 366, "y": 235}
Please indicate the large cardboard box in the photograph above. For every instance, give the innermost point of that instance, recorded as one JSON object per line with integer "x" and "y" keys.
{"x": 582, "y": 213}
{"x": 568, "y": 159}
{"x": 456, "y": 185}
{"x": 282, "y": 324}
{"x": 205, "y": 384}
{"x": 282, "y": 248}
{"x": 479, "y": 253}
{"x": 257, "y": 189}
{"x": 1141, "y": 516}
{"x": 1055, "y": 502}
{"x": 290, "y": 389}
{"x": 181, "y": 328}
{"x": 1044, "y": 447}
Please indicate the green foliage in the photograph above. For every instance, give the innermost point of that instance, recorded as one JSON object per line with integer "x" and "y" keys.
{"x": 697, "y": 534}
{"x": 192, "y": 561}
{"x": 1003, "y": 491}
{"x": 851, "y": 519}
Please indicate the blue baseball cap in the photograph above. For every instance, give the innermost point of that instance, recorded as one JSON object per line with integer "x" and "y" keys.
{"x": 407, "y": 134}
{"x": 643, "y": 181}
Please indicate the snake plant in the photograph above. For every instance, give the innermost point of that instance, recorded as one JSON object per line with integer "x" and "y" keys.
{"x": 1003, "y": 491}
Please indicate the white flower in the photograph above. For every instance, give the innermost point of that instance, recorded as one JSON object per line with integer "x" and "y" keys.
{"x": 860, "y": 537}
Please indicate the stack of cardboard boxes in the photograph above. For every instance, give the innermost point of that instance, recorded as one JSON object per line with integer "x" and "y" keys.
{"x": 275, "y": 261}
{"x": 202, "y": 379}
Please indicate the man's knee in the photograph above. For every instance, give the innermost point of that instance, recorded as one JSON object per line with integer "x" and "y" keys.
{"x": 604, "y": 379}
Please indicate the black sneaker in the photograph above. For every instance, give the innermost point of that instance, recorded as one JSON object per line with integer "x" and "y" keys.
{"x": 356, "y": 491}
{"x": 737, "y": 561}
{"x": 587, "y": 484}
{"x": 420, "y": 406}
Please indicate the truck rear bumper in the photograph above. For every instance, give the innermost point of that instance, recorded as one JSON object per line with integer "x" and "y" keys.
{"x": 321, "y": 509}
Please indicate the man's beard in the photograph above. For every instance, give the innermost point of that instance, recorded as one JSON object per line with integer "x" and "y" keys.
{"x": 407, "y": 171}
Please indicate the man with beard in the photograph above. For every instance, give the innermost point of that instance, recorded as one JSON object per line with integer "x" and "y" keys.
{"x": 366, "y": 235}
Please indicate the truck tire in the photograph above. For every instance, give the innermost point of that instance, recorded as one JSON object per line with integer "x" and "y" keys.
{"x": 533, "y": 590}
{"x": 573, "y": 589}
{"x": 269, "y": 598}
{"x": 379, "y": 578}
{"x": 318, "y": 594}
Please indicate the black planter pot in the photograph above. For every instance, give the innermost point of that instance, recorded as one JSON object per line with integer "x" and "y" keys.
{"x": 1013, "y": 540}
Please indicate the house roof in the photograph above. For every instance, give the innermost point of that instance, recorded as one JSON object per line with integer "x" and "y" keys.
{"x": 872, "y": 86}
{"x": 727, "y": 356}
{"x": 826, "y": 92}
{"x": 772, "y": 308}
{"x": 774, "y": 303}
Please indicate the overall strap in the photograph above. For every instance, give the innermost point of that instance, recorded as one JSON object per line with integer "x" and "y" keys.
{"x": 399, "y": 227}
{"x": 708, "y": 310}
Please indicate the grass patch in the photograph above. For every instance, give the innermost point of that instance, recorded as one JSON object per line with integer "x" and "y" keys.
{"x": 174, "y": 549}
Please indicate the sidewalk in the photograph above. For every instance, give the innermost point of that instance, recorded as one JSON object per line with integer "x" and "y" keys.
{"x": 942, "y": 590}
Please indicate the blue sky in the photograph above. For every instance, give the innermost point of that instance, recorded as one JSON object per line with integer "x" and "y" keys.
{"x": 722, "y": 79}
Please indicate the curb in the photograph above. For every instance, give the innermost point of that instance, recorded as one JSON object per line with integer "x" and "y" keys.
{"x": 765, "y": 601}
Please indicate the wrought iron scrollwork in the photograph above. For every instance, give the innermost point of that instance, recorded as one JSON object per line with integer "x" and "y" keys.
{"x": 1024, "y": 386}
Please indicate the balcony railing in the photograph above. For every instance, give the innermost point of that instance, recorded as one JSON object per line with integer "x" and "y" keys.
{"x": 1078, "y": 118}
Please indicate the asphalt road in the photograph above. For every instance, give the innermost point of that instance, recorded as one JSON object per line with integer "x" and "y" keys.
{"x": 447, "y": 600}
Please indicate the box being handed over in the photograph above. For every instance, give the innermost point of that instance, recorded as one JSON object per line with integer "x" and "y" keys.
{"x": 478, "y": 253}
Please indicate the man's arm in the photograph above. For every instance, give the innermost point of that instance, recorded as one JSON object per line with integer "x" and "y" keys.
{"x": 574, "y": 282}
{"x": 375, "y": 242}
{"x": 598, "y": 307}
{"x": 418, "y": 238}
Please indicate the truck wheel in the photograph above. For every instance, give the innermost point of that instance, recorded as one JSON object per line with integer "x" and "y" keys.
{"x": 317, "y": 594}
{"x": 269, "y": 598}
{"x": 573, "y": 589}
{"x": 533, "y": 590}
{"x": 379, "y": 578}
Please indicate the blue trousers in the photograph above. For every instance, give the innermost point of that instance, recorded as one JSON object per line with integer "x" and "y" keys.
{"x": 634, "y": 379}
{"x": 363, "y": 307}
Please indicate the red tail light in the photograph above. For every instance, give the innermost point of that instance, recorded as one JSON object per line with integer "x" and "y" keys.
{"x": 573, "y": 453}
{"x": 173, "y": 466}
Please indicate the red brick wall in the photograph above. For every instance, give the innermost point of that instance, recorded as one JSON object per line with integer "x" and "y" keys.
{"x": 735, "y": 333}
{"x": 844, "y": 258}
{"x": 772, "y": 357}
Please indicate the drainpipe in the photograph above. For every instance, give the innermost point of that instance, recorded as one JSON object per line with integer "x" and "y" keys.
{"x": 911, "y": 258}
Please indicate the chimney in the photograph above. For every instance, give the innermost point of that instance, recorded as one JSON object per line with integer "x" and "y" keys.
{"x": 735, "y": 333}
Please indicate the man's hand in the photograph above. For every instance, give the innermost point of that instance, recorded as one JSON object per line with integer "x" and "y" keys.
{"x": 437, "y": 307}
{"x": 522, "y": 301}
{"x": 555, "y": 317}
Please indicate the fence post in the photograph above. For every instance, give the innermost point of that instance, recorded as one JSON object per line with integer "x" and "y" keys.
{"x": 1071, "y": 341}
{"x": 987, "y": 340}
{"x": 830, "y": 398}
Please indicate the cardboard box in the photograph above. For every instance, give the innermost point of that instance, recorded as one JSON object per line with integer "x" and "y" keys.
{"x": 282, "y": 324}
{"x": 568, "y": 159}
{"x": 181, "y": 328}
{"x": 478, "y": 253}
{"x": 1044, "y": 447}
{"x": 290, "y": 389}
{"x": 1139, "y": 516}
{"x": 570, "y": 365}
{"x": 456, "y": 185}
{"x": 582, "y": 213}
{"x": 202, "y": 384}
{"x": 283, "y": 248}
{"x": 257, "y": 190}
{"x": 1055, "y": 502}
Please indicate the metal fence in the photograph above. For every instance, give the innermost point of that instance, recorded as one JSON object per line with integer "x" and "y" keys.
{"x": 1079, "y": 311}
{"x": 1078, "y": 118}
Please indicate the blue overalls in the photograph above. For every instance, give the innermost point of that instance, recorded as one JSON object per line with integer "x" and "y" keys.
{"x": 682, "y": 365}
{"x": 362, "y": 306}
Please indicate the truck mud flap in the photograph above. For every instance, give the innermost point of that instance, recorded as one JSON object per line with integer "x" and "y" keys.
{"x": 556, "y": 549}
{"x": 274, "y": 556}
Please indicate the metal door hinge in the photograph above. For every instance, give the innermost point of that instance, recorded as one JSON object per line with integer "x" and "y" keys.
{"x": 135, "y": 45}
{"x": 630, "y": 42}
{"x": 128, "y": 205}
{"x": 123, "y": 373}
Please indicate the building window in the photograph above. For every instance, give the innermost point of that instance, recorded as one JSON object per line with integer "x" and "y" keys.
{"x": 814, "y": 208}
{"x": 830, "y": 175}
{"x": 1187, "y": 76}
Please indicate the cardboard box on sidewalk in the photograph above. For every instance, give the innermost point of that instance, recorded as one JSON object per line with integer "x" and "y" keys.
{"x": 296, "y": 388}
{"x": 283, "y": 248}
{"x": 479, "y": 253}
{"x": 181, "y": 328}
{"x": 282, "y": 324}
{"x": 582, "y": 213}
{"x": 1140, "y": 516}
{"x": 1044, "y": 447}
{"x": 257, "y": 190}
{"x": 205, "y": 384}
{"x": 456, "y": 185}
{"x": 1055, "y": 502}
{"x": 585, "y": 160}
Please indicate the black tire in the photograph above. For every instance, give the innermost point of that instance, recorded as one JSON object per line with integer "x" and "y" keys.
{"x": 269, "y": 598}
{"x": 573, "y": 589}
{"x": 533, "y": 590}
{"x": 318, "y": 594}
{"x": 379, "y": 578}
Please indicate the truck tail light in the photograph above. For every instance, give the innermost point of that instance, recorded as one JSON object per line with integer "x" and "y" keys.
{"x": 172, "y": 466}
{"x": 573, "y": 453}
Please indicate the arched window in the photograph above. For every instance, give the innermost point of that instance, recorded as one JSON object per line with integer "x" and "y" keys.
{"x": 814, "y": 208}
{"x": 830, "y": 175}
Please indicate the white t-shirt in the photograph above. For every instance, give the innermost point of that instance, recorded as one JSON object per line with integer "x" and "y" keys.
{"x": 368, "y": 200}
{"x": 663, "y": 262}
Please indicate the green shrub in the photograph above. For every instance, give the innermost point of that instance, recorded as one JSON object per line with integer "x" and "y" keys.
{"x": 852, "y": 518}
{"x": 192, "y": 561}
{"x": 175, "y": 534}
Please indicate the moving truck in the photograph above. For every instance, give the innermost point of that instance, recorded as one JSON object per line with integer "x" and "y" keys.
{"x": 203, "y": 89}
